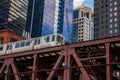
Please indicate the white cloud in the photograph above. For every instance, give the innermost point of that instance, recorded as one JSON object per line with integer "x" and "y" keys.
{"x": 77, "y": 3}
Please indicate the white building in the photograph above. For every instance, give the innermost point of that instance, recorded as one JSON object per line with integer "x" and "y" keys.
{"x": 82, "y": 29}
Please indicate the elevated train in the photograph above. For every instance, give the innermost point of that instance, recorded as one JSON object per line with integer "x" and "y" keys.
{"x": 32, "y": 44}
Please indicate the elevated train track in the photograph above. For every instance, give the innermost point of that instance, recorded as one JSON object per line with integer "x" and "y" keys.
{"x": 89, "y": 60}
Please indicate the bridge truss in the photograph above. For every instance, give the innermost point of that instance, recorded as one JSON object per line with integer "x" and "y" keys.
{"x": 89, "y": 60}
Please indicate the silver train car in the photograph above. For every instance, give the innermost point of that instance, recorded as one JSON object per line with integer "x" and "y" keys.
{"x": 32, "y": 44}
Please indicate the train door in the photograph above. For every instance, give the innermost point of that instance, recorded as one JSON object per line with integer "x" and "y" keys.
{"x": 9, "y": 48}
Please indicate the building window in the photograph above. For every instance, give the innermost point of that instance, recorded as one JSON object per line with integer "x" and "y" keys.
{"x": 110, "y": 4}
{"x": 115, "y": 19}
{"x": 111, "y": 15}
{"x": 115, "y": 3}
{"x": 115, "y": 24}
{"x": 115, "y": 14}
{"x": 110, "y": 25}
{"x": 116, "y": 31}
{"x": 110, "y": 9}
{"x": 111, "y": 31}
{"x": 1, "y": 40}
{"x": 110, "y": 20}
{"x": 115, "y": 8}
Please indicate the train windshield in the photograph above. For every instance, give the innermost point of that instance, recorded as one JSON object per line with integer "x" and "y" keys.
{"x": 48, "y": 38}
{"x": 53, "y": 38}
{"x": 58, "y": 39}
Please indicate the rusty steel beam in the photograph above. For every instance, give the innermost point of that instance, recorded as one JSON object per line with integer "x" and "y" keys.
{"x": 69, "y": 77}
{"x": 96, "y": 42}
{"x": 108, "y": 62}
{"x": 7, "y": 63}
{"x": 35, "y": 67}
{"x": 52, "y": 73}
{"x": 2, "y": 68}
{"x": 79, "y": 63}
{"x": 65, "y": 70}
{"x": 66, "y": 52}
{"x": 99, "y": 57}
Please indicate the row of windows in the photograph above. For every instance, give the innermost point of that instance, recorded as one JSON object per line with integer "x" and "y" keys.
{"x": 114, "y": 31}
{"x": 36, "y": 42}
{"x": 111, "y": 4}
{"x": 78, "y": 20}
{"x": 113, "y": 25}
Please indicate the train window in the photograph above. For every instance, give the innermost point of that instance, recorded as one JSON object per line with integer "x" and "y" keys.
{"x": 58, "y": 38}
{"x": 9, "y": 46}
{"x": 27, "y": 43}
{"x": 17, "y": 45}
{"x": 53, "y": 38}
{"x": 1, "y": 47}
{"x": 39, "y": 41}
{"x": 35, "y": 42}
{"x": 47, "y": 39}
{"x": 22, "y": 43}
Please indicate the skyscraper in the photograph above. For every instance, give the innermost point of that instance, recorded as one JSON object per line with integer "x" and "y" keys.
{"x": 13, "y": 15}
{"x": 82, "y": 29}
{"x": 107, "y": 18}
{"x": 44, "y": 17}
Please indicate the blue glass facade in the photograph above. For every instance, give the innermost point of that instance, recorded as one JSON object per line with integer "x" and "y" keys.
{"x": 34, "y": 18}
{"x": 75, "y": 14}
{"x": 74, "y": 33}
{"x": 45, "y": 17}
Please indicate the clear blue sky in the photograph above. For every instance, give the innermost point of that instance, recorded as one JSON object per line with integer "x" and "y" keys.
{"x": 89, "y": 3}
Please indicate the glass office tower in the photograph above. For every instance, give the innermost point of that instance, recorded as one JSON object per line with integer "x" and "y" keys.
{"x": 13, "y": 15}
{"x": 45, "y": 17}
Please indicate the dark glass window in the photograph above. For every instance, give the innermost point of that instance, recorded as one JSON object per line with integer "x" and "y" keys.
{"x": 58, "y": 38}
{"x": 27, "y": 43}
{"x": 17, "y": 45}
{"x": 48, "y": 38}
{"x": 22, "y": 43}
{"x": 74, "y": 32}
{"x": 75, "y": 14}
